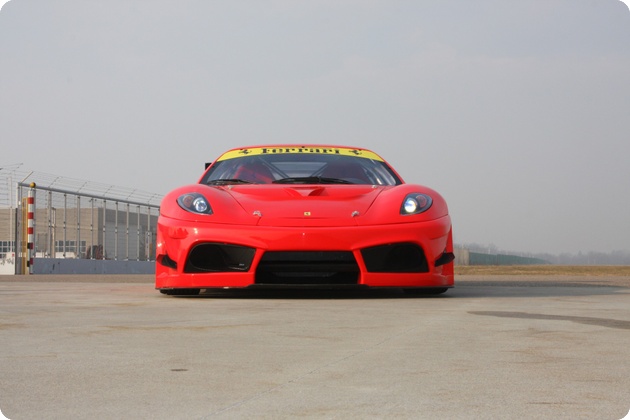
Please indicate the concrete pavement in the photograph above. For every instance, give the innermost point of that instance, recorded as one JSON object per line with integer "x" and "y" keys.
{"x": 111, "y": 347}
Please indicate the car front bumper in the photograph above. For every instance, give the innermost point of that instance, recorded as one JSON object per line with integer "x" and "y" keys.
{"x": 382, "y": 256}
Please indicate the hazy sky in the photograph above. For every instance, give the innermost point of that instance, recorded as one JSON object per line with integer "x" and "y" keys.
{"x": 518, "y": 112}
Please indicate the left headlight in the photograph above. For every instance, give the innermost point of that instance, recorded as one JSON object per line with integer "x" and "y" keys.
{"x": 194, "y": 203}
{"x": 415, "y": 203}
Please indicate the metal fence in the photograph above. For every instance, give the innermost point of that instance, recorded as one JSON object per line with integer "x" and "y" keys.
{"x": 477, "y": 258}
{"x": 464, "y": 256}
{"x": 84, "y": 221}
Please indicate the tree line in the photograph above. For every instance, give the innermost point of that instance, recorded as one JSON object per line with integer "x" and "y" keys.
{"x": 581, "y": 258}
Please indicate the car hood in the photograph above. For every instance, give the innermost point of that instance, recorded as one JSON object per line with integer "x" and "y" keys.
{"x": 305, "y": 205}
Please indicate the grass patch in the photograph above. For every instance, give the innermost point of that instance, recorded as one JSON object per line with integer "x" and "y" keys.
{"x": 545, "y": 270}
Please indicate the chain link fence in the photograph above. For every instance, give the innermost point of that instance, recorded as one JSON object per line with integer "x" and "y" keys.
{"x": 73, "y": 220}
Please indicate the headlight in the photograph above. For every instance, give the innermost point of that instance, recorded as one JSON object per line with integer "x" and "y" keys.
{"x": 415, "y": 203}
{"x": 194, "y": 203}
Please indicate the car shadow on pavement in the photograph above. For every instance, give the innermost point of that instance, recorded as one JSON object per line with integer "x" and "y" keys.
{"x": 521, "y": 289}
{"x": 464, "y": 290}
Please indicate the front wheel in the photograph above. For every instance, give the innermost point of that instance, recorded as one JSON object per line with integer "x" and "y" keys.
{"x": 426, "y": 290}
{"x": 180, "y": 292}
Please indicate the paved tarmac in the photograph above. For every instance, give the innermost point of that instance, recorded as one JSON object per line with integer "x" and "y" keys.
{"x": 111, "y": 347}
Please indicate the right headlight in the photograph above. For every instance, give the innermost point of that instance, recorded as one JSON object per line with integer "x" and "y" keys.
{"x": 415, "y": 203}
{"x": 194, "y": 203}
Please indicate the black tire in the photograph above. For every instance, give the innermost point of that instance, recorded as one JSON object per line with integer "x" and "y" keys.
{"x": 426, "y": 291}
{"x": 180, "y": 292}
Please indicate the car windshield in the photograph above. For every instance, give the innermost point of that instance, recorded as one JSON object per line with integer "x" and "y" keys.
{"x": 299, "y": 168}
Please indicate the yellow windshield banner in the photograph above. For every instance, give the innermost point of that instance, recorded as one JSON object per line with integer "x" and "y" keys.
{"x": 317, "y": 150}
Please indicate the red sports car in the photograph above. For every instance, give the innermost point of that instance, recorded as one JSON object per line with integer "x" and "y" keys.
{"x": 303, "y": 216}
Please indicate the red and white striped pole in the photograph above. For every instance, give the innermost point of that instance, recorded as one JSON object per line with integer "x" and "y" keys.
{"x": 30, "y": 224}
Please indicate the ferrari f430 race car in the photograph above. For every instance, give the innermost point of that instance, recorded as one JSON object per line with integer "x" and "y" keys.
{"x": 313, "y": 216}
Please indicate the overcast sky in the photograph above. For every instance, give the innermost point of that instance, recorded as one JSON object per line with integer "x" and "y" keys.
{"x": 518, "y": 112}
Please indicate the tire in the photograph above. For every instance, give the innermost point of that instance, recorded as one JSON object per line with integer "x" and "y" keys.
{"x": 180, "y": 292}
{"x": 426, "y": 291}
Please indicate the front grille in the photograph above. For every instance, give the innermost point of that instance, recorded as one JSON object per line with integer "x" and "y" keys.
{"x": 307, "y": 268}
{"x": 395, "y": 258}
{"x": 212, "y": 257}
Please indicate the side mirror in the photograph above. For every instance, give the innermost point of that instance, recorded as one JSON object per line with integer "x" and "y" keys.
{"x": 208, "y": 164}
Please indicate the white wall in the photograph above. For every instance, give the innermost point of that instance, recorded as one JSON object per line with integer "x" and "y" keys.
{"x": 7, "y": 266}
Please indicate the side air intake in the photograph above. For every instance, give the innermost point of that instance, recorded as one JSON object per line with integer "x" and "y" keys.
{"x": 213, "y": 257}
{"x": 395, "y": 258}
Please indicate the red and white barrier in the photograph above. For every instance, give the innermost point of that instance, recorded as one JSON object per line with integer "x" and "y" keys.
{"x": 30, "y": 224}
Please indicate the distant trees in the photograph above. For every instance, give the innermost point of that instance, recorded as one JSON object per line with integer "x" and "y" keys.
{"x": 592, "y": 258}
{"x": 581, "y": 258}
